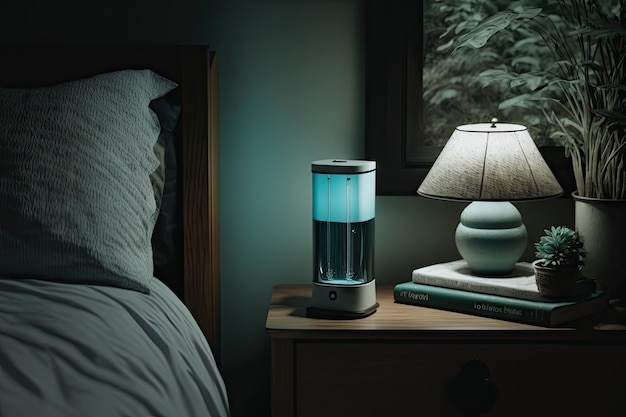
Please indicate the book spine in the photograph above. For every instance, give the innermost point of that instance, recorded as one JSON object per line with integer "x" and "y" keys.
{"x": 472, "y": 303}
{"x": 479, "y": 287}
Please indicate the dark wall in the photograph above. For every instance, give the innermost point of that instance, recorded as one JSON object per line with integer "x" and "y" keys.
{"x": 113, "y": 21}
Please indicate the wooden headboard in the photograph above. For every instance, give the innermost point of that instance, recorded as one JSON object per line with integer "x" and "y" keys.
{"x": 194, "y": 68}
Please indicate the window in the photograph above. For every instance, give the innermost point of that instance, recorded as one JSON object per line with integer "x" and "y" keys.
{"x": 399, "y": 135}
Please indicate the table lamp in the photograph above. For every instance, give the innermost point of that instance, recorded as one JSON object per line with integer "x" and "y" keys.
{"x": 490, "y": 164}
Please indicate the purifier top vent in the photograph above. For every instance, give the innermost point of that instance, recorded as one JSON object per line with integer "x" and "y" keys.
{"x": 342, "y": 166}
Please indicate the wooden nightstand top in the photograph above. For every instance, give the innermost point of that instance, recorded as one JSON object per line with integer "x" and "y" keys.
{"x": 287, "y": 318}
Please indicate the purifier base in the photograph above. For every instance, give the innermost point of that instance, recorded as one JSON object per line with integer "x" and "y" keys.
{"x": 343, "y": 301}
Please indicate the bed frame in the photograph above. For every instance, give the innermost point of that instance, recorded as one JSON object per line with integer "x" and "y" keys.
{"x": 194, "y": 68}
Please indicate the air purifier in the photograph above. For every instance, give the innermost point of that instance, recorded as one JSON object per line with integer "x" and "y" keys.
{"x": 344, "y": 196}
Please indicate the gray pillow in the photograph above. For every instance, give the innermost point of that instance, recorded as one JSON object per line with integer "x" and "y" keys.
{"x": 76, "y": 201}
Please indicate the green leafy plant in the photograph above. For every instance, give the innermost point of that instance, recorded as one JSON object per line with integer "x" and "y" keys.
{"x": 457, "y": 87}
{"x": 560, "y": 247}
{"x": 581, "y": 92}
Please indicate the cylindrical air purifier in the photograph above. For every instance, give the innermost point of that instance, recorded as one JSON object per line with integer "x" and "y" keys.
{"x": 344, "y": 196}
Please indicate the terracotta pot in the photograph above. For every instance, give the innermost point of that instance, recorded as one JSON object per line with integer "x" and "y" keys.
{"x": 602, "y": 228}
{"x": 555, "y": 282}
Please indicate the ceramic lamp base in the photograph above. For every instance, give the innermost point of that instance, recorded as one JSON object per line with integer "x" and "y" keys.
{"x": 491, "y": 237}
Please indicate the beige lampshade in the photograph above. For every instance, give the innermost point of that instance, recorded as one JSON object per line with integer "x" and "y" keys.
{"x": 490, "y": 162}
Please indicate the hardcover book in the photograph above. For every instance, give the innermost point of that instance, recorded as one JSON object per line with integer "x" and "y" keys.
{"x": 520, "y": 283}
{"x": 505, "y": 308}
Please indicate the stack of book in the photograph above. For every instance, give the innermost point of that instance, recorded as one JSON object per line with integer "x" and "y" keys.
{"x": 514, "y": 297}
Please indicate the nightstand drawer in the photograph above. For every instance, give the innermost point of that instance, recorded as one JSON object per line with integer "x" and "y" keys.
{"x": 409, "y": 379}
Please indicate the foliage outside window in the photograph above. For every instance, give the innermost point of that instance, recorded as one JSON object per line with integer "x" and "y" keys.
{"x": 420, "y": 86}
{"x": 465, "y": 85}
{"x": 581, "y": 91}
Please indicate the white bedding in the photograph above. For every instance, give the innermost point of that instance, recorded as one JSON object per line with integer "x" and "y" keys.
{"x": 90, "y": 351}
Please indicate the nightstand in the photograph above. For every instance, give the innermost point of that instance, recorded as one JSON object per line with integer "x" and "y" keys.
{"x": 412, "y": 361}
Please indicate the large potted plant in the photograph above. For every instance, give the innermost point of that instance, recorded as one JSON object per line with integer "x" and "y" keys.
{"x": 582, "y": 92}
{"x": 560, "y": 257}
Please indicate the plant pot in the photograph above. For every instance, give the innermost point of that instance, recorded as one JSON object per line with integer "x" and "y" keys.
{"x": 602, "y": 228}
{"x": 555, "y": 282}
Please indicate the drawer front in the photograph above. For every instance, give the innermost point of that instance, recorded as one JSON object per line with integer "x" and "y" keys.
{"x": 406, "y": 379}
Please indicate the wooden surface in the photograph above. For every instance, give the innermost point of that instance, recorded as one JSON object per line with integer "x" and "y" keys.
{"x": 399, "y": 361}
{"x": 287, "y": 314}
{"x": 200, "y": 193}
{"x": 409, "y": 379}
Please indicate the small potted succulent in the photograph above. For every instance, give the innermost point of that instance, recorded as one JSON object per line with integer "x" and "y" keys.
{"x": 560, "y": 257}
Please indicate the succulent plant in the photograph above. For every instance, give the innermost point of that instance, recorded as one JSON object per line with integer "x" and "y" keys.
{"x": 560, "y": 247}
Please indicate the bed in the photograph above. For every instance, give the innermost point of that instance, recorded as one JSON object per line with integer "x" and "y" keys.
{"x": 109, "y": 260}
